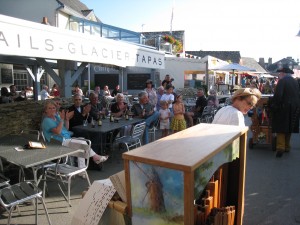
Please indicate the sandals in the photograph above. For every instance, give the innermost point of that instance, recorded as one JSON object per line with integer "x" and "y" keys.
{"x": 102, "y": 159}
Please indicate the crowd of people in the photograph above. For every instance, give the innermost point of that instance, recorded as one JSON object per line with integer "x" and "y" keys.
{"x": 165, "y": 105}
{"x": 161, "y": 104}
{"x": 10, "y": 94}
{"x": 266, "y": 85}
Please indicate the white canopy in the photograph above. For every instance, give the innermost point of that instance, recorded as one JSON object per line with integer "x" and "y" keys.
{"x": 266, "y": 76}
{"x": 213, "y": 62}
{"x": 24, "y": 38}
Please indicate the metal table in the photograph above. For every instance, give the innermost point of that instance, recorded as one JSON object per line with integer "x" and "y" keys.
{"x": 97, "y": 134}
{"x": 31, "y": 158}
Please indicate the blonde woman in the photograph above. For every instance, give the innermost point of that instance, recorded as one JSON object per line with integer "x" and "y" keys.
{"x": 243, "y": 100}
{"x": 56, "y": 125}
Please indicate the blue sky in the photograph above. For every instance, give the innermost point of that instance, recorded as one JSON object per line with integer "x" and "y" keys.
{"x": 256, "y": 28}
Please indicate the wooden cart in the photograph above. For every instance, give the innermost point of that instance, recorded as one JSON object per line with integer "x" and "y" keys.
{"x": 261, "y": 124}
{"x": 165, "y": 178}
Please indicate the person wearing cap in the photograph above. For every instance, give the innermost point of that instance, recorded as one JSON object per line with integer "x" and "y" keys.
{"x": 285, "y": 108}
{"x": 151, "y": 93}
{"x": 243, "y": 100}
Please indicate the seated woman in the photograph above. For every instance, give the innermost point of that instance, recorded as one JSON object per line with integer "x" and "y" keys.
{"x": 212, "y": 99}
{"x": 55, "y": 125}
{"x": 119, "y": 109}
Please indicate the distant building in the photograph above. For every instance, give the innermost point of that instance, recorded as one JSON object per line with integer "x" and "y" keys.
{"x": 229, "y": 56}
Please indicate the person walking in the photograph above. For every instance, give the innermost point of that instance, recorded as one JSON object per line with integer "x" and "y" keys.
{"x": 285, "y": 109}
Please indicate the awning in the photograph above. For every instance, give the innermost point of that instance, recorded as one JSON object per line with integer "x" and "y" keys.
{"x": 24, "y": 38}
{"x": 266, "y": 76}
{"x": 213, "y": 62}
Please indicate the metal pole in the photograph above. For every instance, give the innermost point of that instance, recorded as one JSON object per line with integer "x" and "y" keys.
{"x": 89, "y": 78}
{"x": 206, "y": 75}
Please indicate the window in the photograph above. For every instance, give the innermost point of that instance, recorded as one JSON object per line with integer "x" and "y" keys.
{"x": 20, "y": 79}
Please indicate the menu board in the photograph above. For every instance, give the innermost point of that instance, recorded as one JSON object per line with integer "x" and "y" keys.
{"x": 6, "y": 76}
{"x": 137, "y": 81}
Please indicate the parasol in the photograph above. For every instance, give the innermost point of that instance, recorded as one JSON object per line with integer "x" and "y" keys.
{"x": 234, "y": 67}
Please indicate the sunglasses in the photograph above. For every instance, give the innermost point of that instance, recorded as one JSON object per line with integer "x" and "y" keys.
{"x": 249, "y": 103}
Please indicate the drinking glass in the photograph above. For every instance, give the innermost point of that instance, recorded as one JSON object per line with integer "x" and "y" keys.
{"x": 85, "y": 123}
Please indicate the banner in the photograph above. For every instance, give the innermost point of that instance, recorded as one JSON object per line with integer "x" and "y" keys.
{"x": 24, "y": 38}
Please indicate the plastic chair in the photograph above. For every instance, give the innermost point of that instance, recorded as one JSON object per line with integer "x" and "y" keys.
{"x": 153, "y": 129}
{"x": 134, "y": 139}
{"x": 208, "y": 114}
{"x": 64, "y": 172}
{"x": 4, "y": 181}
{"x": 12, "y": 196}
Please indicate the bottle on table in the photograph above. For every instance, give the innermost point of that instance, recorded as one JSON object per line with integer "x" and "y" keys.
{"x": 93, "y": 123}
{"x": 111, "y": 119}
{"x": 99, "y": 122}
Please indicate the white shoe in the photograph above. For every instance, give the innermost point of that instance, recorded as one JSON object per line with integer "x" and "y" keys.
{"x": 101, "y": 159}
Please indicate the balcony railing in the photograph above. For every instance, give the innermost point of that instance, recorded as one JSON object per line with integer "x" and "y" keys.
{"x": 104, "y": 30}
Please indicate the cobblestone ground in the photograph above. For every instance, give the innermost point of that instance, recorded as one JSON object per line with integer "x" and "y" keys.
{"x": 272, "y": 194}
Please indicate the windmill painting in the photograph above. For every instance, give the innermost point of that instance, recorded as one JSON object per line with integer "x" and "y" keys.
{"x": 156, "y": 195}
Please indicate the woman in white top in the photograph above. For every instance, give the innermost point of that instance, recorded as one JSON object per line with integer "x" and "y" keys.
{"x": 243, "y": 100}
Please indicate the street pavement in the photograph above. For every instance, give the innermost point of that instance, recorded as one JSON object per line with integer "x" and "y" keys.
{"x": 272, "y": 187}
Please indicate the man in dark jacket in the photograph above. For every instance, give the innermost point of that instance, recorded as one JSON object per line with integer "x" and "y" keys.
{"x": 285, "y": 108}
{"x": 201, "y": 102}
{"x": 80, "y": 112}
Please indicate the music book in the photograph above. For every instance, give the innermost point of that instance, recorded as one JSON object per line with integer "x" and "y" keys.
{"x": 34, "y": 145}
{"x": 94, "y": 203}
{"x": 118, "y": 180}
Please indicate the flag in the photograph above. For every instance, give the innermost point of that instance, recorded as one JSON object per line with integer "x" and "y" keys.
{"x": 171, "y": 21}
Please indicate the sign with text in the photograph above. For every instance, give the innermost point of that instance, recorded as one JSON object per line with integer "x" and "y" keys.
{"x": 137, "y": 81}
{"x": 6, "y": 76}
{"x": 24, "y": 38}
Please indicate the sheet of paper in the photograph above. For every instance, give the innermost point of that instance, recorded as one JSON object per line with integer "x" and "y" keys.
{"x": 118, "y": 181}
{"x": 94, "y": 203}
{"x": 19, "y": 149}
